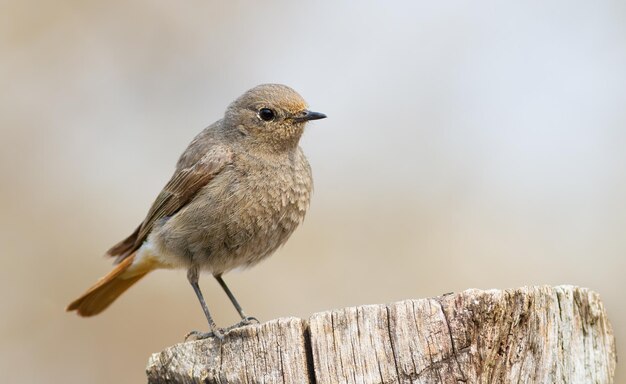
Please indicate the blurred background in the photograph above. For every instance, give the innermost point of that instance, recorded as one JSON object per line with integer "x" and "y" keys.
{"x": 468, "y": 145}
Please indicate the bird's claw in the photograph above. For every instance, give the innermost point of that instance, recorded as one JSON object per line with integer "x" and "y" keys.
{"x": 197, "y": 335}
{"x": 220, "y": 332}
{"x": 248, "y": 320}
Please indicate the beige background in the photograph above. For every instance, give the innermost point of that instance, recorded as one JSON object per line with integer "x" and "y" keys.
{"x": 468, "y": 144}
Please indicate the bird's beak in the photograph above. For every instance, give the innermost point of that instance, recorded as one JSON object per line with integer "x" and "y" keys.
{"x": 307, "y": 115}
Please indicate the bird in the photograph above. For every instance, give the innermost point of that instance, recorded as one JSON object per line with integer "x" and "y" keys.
{"x": 237, "y": 194}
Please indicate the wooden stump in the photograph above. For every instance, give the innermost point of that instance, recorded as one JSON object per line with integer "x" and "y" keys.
{"x": 527, "y": 335}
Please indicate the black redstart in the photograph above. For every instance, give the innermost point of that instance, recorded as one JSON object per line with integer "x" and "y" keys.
{"x": 239, "y": 191}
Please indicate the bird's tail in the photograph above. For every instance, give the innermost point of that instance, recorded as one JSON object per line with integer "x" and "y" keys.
{"x": 110, "y": 287}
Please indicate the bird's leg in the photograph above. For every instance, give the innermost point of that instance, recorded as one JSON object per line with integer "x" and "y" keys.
{"x": 245, "y": 320}
{"x": 192, "y": 276}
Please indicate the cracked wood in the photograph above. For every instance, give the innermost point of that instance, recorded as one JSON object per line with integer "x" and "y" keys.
{"x": 526, "y": 335}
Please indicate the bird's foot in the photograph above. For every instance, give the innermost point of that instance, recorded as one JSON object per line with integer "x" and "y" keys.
{"x": 197, "y": 335}
{"x": 220, "y": 332}
{"x": 248, "y": 320}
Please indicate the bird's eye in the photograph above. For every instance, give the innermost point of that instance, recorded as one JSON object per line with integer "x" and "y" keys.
{"x": 266, "y": 114}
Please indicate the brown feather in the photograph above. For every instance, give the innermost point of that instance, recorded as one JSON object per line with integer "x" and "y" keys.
{"x": 106, "y": 290}
{"x": 126, "y": 245}
{"x": 182, "y": 187}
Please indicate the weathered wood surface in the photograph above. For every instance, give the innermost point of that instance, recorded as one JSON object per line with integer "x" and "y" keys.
{"x": 526, "y": 335}
{"x": 273, "y": 352}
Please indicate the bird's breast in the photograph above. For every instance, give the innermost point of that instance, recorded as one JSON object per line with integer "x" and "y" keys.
{"x": 241, "y": 216}
{"x": 269, "y": 200}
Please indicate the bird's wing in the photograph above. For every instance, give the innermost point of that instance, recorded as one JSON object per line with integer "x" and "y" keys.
{"x": 181, "y": 188}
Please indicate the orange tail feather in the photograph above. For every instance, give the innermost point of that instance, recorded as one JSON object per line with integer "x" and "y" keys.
{"x": 107, "y": 289}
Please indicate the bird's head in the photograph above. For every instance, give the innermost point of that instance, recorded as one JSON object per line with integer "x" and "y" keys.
{"x": 271, "y": 116}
